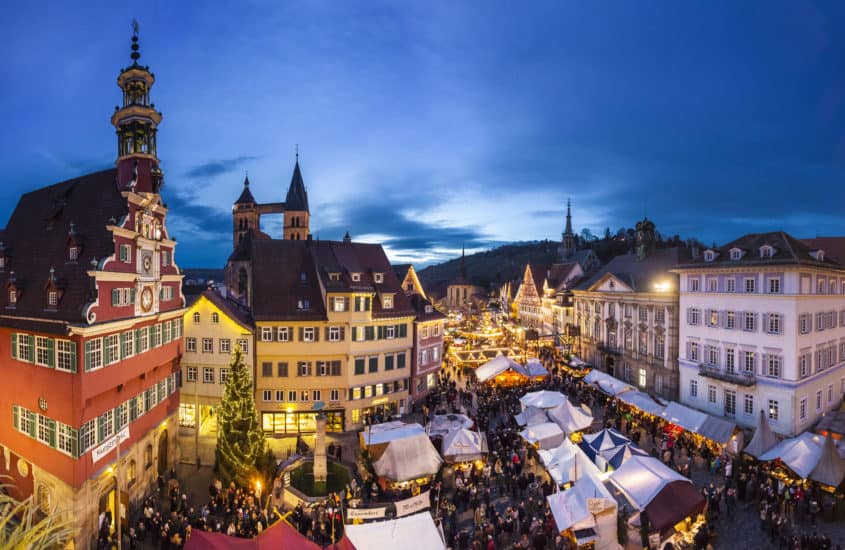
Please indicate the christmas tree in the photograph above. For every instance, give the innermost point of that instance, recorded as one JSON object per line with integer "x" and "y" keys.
{"x": 240, "y": 439}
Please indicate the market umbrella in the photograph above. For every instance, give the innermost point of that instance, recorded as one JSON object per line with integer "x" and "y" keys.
{"x": 606, "y": 439}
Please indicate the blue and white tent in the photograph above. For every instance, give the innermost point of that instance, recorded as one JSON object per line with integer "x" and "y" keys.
{"x": 617, "y": 456}
{"x": 607, "y": 439}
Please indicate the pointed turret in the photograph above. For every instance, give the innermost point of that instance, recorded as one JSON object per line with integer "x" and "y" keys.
{"x": 297, "y": 213}
{"x": 567, "y": 246}
{"x": 245, "y": 215}
{"x": 246, "y": 195}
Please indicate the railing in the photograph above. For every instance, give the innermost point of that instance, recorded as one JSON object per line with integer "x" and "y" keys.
{"x": 608, "y": 349}
{"x": 740, "y": 378}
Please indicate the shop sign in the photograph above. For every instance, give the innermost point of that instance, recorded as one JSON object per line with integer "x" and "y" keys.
{"x": 365, "y": 513}
{"x": 109, "y": 445}
{"x": 413, "y": 504}
{"x": 595, "y": 505}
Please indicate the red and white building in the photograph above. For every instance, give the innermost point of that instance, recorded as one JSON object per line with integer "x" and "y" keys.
{"x": 91, "y": 322}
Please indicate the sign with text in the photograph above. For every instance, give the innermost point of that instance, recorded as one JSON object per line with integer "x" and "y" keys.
{"x": 109, "y": 445}
{"x": 595, "y": 505}
{"x": 413, "y": 504}
{"x": 365, "y": 513}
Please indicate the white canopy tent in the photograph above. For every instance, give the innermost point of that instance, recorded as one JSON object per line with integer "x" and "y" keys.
{"x": 388, "y": 431}
{"x": 534, "y": 368}
{"x": 570, "y": 510}
{"x": 830, "y": 469}
{"x": 567, "y": 463}
{"x": 546, "y": 435}
{"x": 442, "y": 424}
{"x": 764, "y": 439}
{"x": 641, "y": 401}
{"x": 685, "y": 417}
{"x": 542, "y": 399}
{"x": 571, "y": 418}
{"x": 414, "y": 532}
{"x": 800, "y": 453}
{"x": 607, "y": 383}
{"x": 408, "y": 458}
{"x": 464, "y": 445}
{"x": 576, "y": 362}
{"x": 531, "y": 416}
{"x": 641, "y": 478}
{"x": 497, "y": 366}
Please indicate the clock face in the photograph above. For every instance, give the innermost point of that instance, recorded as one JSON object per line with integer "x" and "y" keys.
{"x": 147, "y": 263}
{"x": 146, "y": 299}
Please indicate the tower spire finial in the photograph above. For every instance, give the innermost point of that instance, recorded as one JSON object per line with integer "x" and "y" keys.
{"x": 135, "y": 55}
{"x": 297, "y": 152}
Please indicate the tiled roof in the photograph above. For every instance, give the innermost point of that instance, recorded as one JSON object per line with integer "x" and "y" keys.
{"x": 297, "y": 197}
{"x": 288, "y": 275}
{"x": 36, "y": 239}
{"x": 401, "y": 271}
{"x": 538, "y": 273}
{"x": 787, "y": 250}
{"x": 232, "y": 309}
{"x": 246, "y": 195}
{"x": 640, "y": 275}
{"x": 834, "y": 247}
{"x": 419, "y": 304}
{"x": 559, "y": 274}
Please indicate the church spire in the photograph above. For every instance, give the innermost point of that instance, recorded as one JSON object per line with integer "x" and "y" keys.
{"x": 568, "y": 230}
{"x": 567, "y": 245}
{"x": 297, "y": 214}
{"x": 463, "y": 263}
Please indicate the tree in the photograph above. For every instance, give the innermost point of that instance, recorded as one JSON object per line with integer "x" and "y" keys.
{"x": 23, "y": 526}
{"x": 240, "y": 449}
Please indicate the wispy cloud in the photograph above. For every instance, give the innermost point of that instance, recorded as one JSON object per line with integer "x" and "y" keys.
{"x": 215, "y": 168}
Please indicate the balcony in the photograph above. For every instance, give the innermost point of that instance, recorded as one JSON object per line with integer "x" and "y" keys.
{"x": 612, "y": 350}
{"x": 739, "y": 378}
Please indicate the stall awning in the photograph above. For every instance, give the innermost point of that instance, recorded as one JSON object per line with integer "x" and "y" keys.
{"x": 546, "y": 435}
{"x": 641, "y": 478}
{"x": 542, "y": 399}
{"x": 408, "y": 458}
{"x": 415, "y": 532}
{"x": 674, "y": 502}
{"x": 685, "y": 417}
{"x": 606, "y": 383}
{"x": 641, "y": 401}
{"x": 800, "y": 454}
{"x": 571, "y": 418}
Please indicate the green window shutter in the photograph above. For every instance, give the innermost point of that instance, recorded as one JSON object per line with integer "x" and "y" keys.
{"x": 31, "y": 340}
{"x": 133, "y": 409}
{"x": 32, "y": 423}
{"x": 301, "y": 333}
{"x": 52, "y": 425}
{"x": 100, "y": 431}
{"x": 400, "y": 360}
{"x": 51, "y": 353}
{"x": 115, "y": 296}
{"x": 354, "y": 334}
{"x": 14, "y": 345}
{"x": 88, "y": 356}
{"x": 131, "y": 295}
{"x": 327, "y": 334}
{"x": 403, "y": 330}
{"x": 317, "y": 334}
{"x": 380, "y": 332}
{"x": 73, "y": 356}
{"x": 342, "y": 334}
{"x": 122, "y": 353}
{"x": 116, "y": 417}
{"x": 74, "y": 443}
{"x": 367, "y": 303}
{"x": 137, "y": 341}
{"x": 16, "y": 416}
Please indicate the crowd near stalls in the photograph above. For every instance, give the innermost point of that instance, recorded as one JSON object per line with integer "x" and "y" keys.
{"x": 402, "y": 458}
{"x": 503, "y": 370}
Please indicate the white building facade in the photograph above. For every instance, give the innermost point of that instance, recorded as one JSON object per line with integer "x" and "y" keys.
{"x": 762, "y": 327}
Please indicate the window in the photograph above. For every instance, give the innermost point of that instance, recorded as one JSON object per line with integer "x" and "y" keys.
{"x": 225, "y": 374}
{"x": 266, "y": 334}
{"x": 820, "y": 321}
{"x": 774, "y": 410}
{"x": 125, "y": 253}
{"x": 244, "y": 344}
{"x": 165, "y": 258}
{"x": 105, "y": 425}
{"x": 693, "y": 316}
{"x": 335, "y": 368}
{"x": 693, "y": 284}
{"x": 774, "y": 366}
{"x": 378, "y": 278}
{"x": 804, "y": 323}
{"x": 642, "y": 378}
{"x": 712, "y": 318}
{"x": 712, "y": 284}
{"x": 225, "y": 345}
{"x": 730, "y": 403}
{"x": 303, "y": 303}
{"x": 190, "y": 344}
{"x": 43, "y": 351}
{"x": 388, "y": 361}
{"x": 266, "y": 369}
{"x": 748, "y": 404}
{"x": 736, "y": 254}
{"x": 390, "y": 332}
{"x": 730, "y": 285}
{"x": 208, "y": 375}
{"x": 13, "y": 297}
{"x": 282, "y": 369}
{"x": 93, "y": 354}
{"x": 775, "y": 323}
{"x": 280, "y": 395}
{"x": 148, "y": 456}
{"x": 818, "y": 401}
{"x": 712, "y": 355}
{"x": 45, "y": 429}
{"x": 67, "y": 438}
{"x": 804, "y": 361}
{"x": 142, "y": 342}
{"x": 334, "y": 395}
{"x": 191, "y": 374}
{"x": 774, "y": 286}
{"x": 709, "y": 255}
{"x": 692, "y": 351}
{"x": 322, "y": 368}
{"x": 196, "y": 318}
{"x": 166, "y": 293}
{"x": 292, "y": 396}
{"x": 267, "y": 395}
{"x": 303, "y": 368}
{"x": 711, "y": 393}
{"x": 802, "y": 409}
{"x": 373, "y": 364}
{"x": 730, "y": 319}
{"x": 766, "y": 251}
{"x": 303, "y": 395}
{"x": 749, "y": 321}
{"x": 316, "y": 395}
{"x": 215, "y": 318}
{"x": 360, "y": 364}
{"x": 750, "y": 285}
{"x": 749, "y": 361}
{"x": 308, "y": 334}
{"x": 338, "y": 304}
{"x": 52, "y": 298}
{"x": 65, "y": 355}
{"x": 400, "y": 361}
{"x": 208, "y": 345}
{"x": 659, "y": 315}
{"x": 730, "y": 360}
{"x": 387, "y": 302}
{"x": 659, "y": 346}
{"x": 830, "y": 393}
{"x": 112, "y": 349}
{"x": 283, "y": 334}
{"x": 334, "y": 334}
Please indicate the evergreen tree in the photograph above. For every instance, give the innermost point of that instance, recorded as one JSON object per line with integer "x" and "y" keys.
{"x": 240, "y": 439}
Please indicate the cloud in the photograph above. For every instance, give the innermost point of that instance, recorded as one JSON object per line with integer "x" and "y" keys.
{"x": 214, "y": 168}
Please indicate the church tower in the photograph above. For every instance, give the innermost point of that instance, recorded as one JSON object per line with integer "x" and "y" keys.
{"x": 567, "y": 248}
{"x": 296, "y": 208}
{"x": 136, "y": 124}
{"x": 245, "y": 215}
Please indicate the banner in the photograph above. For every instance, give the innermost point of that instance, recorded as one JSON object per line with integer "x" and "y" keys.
{"x": 109, "y": 445}
{"x": 365, "y": 513}
{"x": 413, "y": 504}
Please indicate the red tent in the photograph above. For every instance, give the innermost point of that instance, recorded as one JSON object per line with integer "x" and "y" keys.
{"x": 676, "y": 501}
{"x": 279, "y": 535}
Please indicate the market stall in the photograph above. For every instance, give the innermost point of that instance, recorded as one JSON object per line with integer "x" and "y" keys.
{"x": 531, "y": 416}
{"x": 414, "y": 532}
{"x": 570, "y": 418}
{"x": 764, "y": 439}
{"x": 709, "y": 429}
{"x": 542, "y": 399}
{"x": 442, "y": 424}
{"x": 604, "y": 440}
{"x": 408, "y": 462}
{"x": 566, "y": 463}
{"x": 535, "y": 369}
{"x": 502, "y": 370}
{"x": 586, "y": 514}
{"x": 641, "y": 401}
{"x": 544, "y": 436}
{"x": 464, "y": 445}
{"x": 606, "y": 383}
{"x": 377, "y": 435}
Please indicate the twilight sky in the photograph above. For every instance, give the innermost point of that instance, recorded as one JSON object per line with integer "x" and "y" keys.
{"x": 425, "y": 125}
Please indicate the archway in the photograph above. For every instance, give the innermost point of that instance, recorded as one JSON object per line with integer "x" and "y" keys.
{"x": 162, "y": 453}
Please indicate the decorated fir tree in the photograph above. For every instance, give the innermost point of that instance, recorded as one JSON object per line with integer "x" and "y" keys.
{"x": 240, "y": 439}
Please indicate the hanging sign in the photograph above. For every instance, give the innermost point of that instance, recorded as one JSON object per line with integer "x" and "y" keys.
{"x": 365, "y": 513}
{"x": 413, "y": 504}
{"x": 595, "y": 505}
{"x": 109, "y": 445}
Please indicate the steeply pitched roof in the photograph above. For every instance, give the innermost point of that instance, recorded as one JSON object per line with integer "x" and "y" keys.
{"x": 420, "y": 304}
{"x": 36, "y": 239}
{"x": 559, "y": 274}
{"x": 787, "y": 250}
{"x": 401, "y": 271}
{"x": 297, "y": 197}
{"x": 232, "y": 309}
{"x": 834, "y": 247}
{"x": 538, "y": 274}
{"x": 640, "y": 275}
{"x": 246, "y": 195}
{"x": 292, "y": 278}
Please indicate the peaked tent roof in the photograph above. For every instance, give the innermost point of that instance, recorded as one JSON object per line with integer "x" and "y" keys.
{"x": 279, "y": 535}
{"x": 570, "y": 507}
{"x": 442, "y": 424}
{"x": 830, "y": 469}
{"x": 414, "y": 532}
{"x": 641, "y": 478}
{"x": 674, "y": 502}
{"x": 617, "y": 456}
{"x": 408, "y": 458}
{"x": 533, "y": 367}
{"x": 546, "y": 435}
{"x": 297, "y": 197}
{"x": 543, "y": 399}
{"x": 497, "y": 366}
{"x": 531, "y": 415}
{"x": 464, "y": 445}
{"x": 763, "y": 439}
{"x": 571, "y": 418}
{"x": 606, "y": 439}
{"x": 800, "y": 454}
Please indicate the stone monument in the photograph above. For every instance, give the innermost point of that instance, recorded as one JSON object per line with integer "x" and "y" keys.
{"x": 320, "y": 466}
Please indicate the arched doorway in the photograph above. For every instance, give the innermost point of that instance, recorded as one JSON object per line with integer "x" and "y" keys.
{"x": 162, "y": 453}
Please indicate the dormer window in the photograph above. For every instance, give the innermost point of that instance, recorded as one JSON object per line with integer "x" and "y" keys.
{"x": 303, "y": 277}
{"x": 736, "y": 254}
{"x": 387, "y": 301}
{"x": 818, "y": 255}
{"x": 13, "y": 297}
{"x": 53, "y": 298}
{"x": 303, "y": 304}
{"x": 429, "y": 309}
{"x": 356, "y": 277}
{"x": 766, "y": 251}
{"x": 378, "y": 278}
{"x": 709, "y": 255}
{"x": 73, "y": 253}
{"x": 334, "y": 276}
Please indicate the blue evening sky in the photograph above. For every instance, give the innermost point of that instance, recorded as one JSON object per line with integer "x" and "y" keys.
{"x": 425, "y": 125}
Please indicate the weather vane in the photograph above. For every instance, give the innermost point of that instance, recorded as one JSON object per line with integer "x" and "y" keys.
{"x": 135, "y": 26}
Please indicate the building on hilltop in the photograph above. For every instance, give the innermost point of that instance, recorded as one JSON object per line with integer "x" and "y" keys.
{"x": 627, "y": 313}
{"x": 568, "y": 251}
{"x": 763, "y": 328}
{"x": 462, "y": 295}
{"x": 92, "y": 310}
